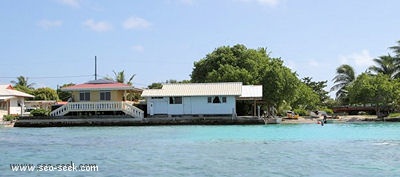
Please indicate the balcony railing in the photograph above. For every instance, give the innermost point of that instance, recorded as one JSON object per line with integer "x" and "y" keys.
{"x": 125, "y": 107}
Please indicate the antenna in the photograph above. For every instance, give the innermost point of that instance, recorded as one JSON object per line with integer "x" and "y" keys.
{"x": 95, "y": 67}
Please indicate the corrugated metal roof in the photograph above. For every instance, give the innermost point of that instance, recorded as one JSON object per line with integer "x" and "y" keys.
{"x": 196, "y": 89}
{"x": 5, "y": 86}
{"x": 12, "y": 92}
{"x": 251, "y": 92}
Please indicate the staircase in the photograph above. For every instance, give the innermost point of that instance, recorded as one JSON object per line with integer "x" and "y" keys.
{"x": 125, "y": 107}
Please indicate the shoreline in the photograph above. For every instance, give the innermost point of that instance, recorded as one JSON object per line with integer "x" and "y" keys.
{"x": 128, "y": 121}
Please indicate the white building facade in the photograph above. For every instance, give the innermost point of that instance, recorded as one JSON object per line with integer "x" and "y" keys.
{"x": 12, "y": 101}
{"x": 193, "y": 99}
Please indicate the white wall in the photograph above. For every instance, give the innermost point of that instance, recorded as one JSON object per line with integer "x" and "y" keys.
{"x": 191, "y": 105}
{"x": 14, "y": 108}
{"x": 160, "y": 106}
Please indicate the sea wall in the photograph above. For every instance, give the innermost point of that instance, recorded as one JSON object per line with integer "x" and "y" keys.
{"x": 128, "y": 121}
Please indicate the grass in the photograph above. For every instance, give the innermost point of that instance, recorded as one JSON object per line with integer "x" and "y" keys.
{"x": 393, "y": 115}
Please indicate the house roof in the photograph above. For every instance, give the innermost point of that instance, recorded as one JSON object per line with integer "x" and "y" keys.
{"x": 100, "y": 85}
{"x": 8, "y": 91}
{"x": 251, "y": 92}
{"x": 196, "y": 89}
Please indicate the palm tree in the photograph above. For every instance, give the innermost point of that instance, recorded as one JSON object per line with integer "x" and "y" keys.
{"x": 120, "y": 77}
{"x": 22, "y": 82}
{"x": 396, "y": 49}
{"x": 386, "y": 65}
{"x": 345, "y": 76}
{"x": 396, "y": 52}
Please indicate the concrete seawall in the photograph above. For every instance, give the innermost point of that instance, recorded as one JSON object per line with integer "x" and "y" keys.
{"x": 128, "y": 121}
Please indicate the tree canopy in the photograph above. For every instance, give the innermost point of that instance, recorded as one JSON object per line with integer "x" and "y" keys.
{"x": 45, "y": 94}
{"x": 254, "y": 66}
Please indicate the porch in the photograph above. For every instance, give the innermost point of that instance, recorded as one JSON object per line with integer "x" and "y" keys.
{"x": 123, "y": 106}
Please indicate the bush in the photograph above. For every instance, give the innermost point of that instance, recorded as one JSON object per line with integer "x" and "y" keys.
{"x": 9, "y": 117}
{"x": 301, "y": 112}
{"x": 328, "y": 111}
{"x": 40, "y": 112}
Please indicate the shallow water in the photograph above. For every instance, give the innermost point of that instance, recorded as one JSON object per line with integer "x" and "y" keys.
{"x": 254, "y": 150}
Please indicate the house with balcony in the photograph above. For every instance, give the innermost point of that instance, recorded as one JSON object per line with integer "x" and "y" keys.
{"x": 99, "y": 97}
{"x": 12, "y": 101}
{"x": 199, "y": 99}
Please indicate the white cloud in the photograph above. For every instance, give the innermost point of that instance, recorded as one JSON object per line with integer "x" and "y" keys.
{"x": 359, "y": 59}
{"x": 100, "y": 26}
{"x": 46, "y": 24}
{"x": 271, "y": 3}
{"x": 138, "y": 48}
{"x": 136, "y": 23}
{"x": 72, "y": 3}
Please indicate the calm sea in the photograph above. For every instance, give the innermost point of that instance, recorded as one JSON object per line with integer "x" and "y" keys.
{"x": 172, "y": 151}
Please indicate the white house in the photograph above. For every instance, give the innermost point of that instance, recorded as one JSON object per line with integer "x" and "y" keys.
{"x": 12, "y": 101}
{"x": 197, "y": 98}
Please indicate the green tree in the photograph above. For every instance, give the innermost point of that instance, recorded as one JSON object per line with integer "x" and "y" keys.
{"x": 62, "y": 95}
{"x": 45, "y": 94}
{"x": 279, "y": 84}
{"x": 249, "y": 66}
{"x": 156, "y": 85}
{"x": 306, "y": 98}
{"x": 318, "y": 88}
{"x": 227, "y": 63}
{"x": 345, "y": 75}
{"x": 386, "y": 65}
{"x": 379, "y": 90}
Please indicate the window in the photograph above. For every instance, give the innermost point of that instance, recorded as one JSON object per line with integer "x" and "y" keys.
{"x": 157, "y": 98}
{"x": 105, "y": 95}
{"x": 216, "y": 100}
{"x": 175, "y": 100}
{"x": 84, "y": 96}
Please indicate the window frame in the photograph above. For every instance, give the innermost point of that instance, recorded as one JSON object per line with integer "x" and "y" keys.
{"x": 105, "y": 95}
{"x": 85, "y": 97}
{"x": 175, "y": 100}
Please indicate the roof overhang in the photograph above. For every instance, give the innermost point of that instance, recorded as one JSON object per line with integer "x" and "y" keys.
{"x": 5, "y": 98}
{"x": 251, "y": 92}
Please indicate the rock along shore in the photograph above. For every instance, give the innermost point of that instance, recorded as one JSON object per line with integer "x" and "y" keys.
{"x": 128, "y": 121}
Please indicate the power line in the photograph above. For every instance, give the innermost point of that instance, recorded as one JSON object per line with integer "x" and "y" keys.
{"x": 47, "y": 77}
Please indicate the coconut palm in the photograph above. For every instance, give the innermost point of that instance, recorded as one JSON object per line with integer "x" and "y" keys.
{"x": 120, "y": 77}
{"x": 396, "y": 49}
{"x": 22, "y": 82}
{"x": 345, "y": 76}
{"x": 386, "y": 65}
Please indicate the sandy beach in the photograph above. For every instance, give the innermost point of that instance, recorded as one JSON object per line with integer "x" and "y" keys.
{"x": 340, "y": 119}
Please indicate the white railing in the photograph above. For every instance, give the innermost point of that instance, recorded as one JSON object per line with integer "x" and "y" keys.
{"x": 126, "y": 107}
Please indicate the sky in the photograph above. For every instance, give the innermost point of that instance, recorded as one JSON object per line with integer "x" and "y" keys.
{"x": 54, "y": 42}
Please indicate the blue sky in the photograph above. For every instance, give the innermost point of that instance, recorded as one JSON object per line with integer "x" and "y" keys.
{"x": 161, "y": 39}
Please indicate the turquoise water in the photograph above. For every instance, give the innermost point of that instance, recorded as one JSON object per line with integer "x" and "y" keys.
{"x": 256, "y": 150}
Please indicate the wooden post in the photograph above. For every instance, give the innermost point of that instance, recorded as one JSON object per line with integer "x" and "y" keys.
{"x": 255, "y": 107}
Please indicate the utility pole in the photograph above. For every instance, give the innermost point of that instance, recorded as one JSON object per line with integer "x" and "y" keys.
{"x": 95, "y": 67}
